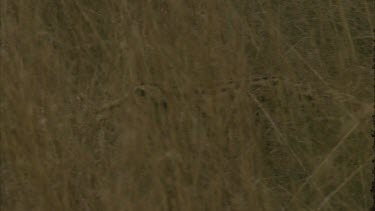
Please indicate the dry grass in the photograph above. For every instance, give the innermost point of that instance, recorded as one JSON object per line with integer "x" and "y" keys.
{"x": 186, "y": 105}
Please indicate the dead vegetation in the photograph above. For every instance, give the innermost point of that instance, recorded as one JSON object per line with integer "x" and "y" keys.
{"x": 186, "y": 105}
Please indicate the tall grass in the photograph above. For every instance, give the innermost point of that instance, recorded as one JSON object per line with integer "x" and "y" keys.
{"x": 186, "y": 105}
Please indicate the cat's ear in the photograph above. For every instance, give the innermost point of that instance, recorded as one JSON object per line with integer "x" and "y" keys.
{"x": 148, "y": 93}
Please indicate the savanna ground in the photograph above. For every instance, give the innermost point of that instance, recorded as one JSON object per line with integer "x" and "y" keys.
{"x": 179, "y": 105}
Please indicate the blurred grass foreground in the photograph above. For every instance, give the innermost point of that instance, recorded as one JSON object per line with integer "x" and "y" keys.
{"x": 199, "y": 105}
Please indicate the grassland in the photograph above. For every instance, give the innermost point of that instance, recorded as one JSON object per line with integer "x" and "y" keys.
{"x": 172, "y": 105}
